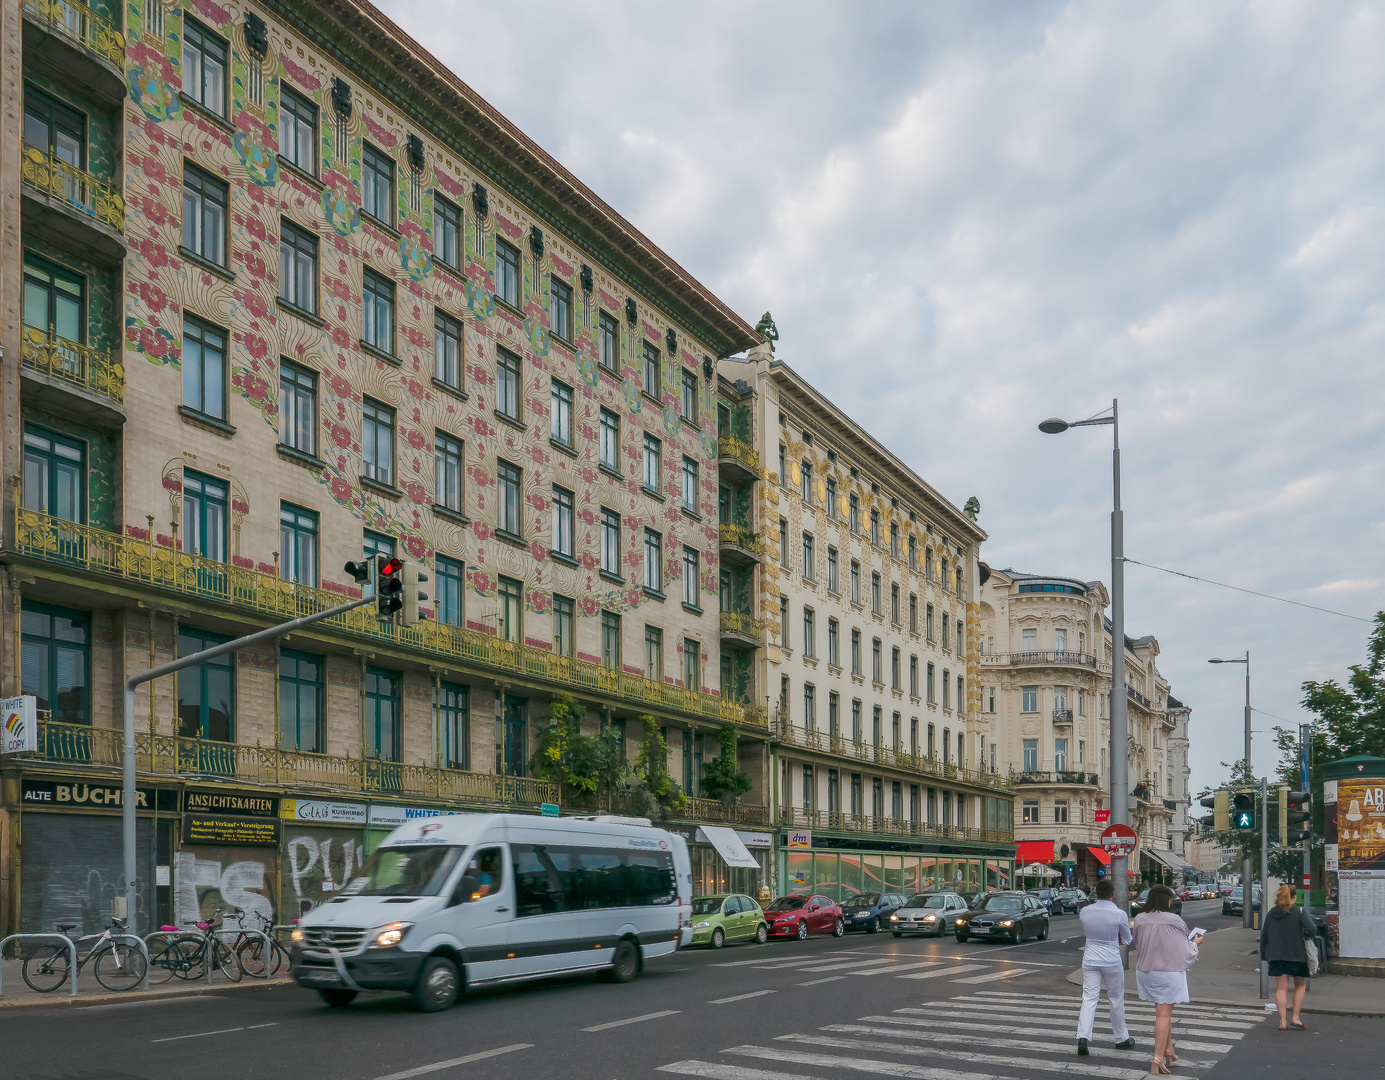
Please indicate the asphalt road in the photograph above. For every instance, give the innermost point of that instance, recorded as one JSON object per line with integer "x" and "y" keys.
{"x": 826, "y": 1009}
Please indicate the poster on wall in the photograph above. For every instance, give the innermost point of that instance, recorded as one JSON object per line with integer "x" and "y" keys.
{"x": 315, "y": 864}
{"x": 1359, "y": 824}
{"x": 207, "y": 877}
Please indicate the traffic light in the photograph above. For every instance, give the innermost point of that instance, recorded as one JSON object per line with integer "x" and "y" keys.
{"x": 1219, "y": 802}
{"x": 412, "y": 595}
{"x": 1243, "y": 810}
{"x": 1295, "y": 808}
{"x": 388, "y": 585}
{"x": 359, "y": 571}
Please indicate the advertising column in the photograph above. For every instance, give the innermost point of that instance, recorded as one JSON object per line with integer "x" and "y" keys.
{"x": 324, "y": 844}
{"x": 1354, "y": 816}
{"x": 228, "y": 858}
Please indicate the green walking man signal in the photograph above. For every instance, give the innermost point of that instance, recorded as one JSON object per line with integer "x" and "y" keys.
{"x": 1243, "y": 810}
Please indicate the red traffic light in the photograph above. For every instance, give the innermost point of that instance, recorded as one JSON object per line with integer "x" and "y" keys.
{"x": 390, "y": 566}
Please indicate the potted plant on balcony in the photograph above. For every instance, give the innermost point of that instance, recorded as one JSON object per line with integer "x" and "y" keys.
{"x": 721, "y": 777}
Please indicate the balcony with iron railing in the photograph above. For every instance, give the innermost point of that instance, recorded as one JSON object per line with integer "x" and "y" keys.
{"x": 739, "y": 456}
{"x": 1067, "y": 777}
{"x": 741, "y": 628}
{"x": 69, "y": 377}
{"x": 694, "y": 810}
{"x": 1045, "y": 657}
{"x": 834, "y": 821}
{"x": 173, "y": 756}
{"x": 71, "y": 206}
{"x": 740, "y": 544}
{"x": 108, "y": 556}
{"x": 71, "y": 38}
{"x": 828, "y": 742}
{"x": 1062, "y": 716}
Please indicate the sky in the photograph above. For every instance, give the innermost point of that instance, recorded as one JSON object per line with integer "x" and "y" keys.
{"x": 988, "y": 214}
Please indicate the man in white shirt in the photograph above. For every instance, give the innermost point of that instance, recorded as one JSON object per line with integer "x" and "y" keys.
{"x": 1106, "y": 928}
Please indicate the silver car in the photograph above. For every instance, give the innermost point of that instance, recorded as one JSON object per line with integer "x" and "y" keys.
{"x": 928, "y": 913}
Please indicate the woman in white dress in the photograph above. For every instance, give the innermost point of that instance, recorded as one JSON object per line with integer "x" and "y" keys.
{"x": 1166, "y": 951}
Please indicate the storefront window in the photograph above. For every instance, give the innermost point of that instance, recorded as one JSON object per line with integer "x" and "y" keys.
{"x": 894, "y": 872}
{"x": 800, "y": 872}
{"x": 825, "y": 876}
{"x": 928, "y": 872}
{"x": 911, "y": 875}
{"x": 850, "y": 875}
{"x": 973, "y": 874}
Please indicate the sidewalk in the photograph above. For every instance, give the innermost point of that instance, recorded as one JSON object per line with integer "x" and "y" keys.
{"x": 17, "y": 995}
{"x": 1227, "y": 973}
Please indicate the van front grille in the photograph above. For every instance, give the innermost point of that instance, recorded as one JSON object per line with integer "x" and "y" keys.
{"x": 344, "y": 938}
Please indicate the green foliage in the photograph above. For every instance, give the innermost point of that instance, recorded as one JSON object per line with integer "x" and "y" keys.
{"x": 657, "y": 794}
{"x": 582, "y": 765}
{"x": 722, "y": 777}
{"x": 1351, "y": 718}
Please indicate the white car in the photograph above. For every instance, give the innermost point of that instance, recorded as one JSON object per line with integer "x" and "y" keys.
{"x": 928, "y": 913}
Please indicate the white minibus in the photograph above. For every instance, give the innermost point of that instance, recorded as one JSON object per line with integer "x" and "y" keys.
{"x": 474, "y": 899}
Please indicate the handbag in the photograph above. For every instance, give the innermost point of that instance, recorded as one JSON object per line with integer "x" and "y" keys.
{"x": 1310, "y": 946}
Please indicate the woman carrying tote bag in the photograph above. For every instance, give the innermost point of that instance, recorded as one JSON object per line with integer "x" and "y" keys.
{"x": 1166, "y": 951}
{"x": 1284, "y": 937}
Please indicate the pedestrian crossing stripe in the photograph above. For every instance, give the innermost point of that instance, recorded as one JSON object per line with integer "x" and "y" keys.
{"x": 973, "y": 1008}
{"x": 1055, "y": 1026}
{"x": 881, "y": 1067}
{"x": 1233, "y": 1012}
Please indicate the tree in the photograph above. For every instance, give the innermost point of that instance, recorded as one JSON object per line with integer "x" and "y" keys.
{"x": 657, "y": 794}
{"x": 583, "y": 766}
{"x": 722, "y": 777}
{"x": 1352, "y": 717}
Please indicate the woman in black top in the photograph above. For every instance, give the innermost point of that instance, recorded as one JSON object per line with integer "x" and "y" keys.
{"x": 1282, "y": 942}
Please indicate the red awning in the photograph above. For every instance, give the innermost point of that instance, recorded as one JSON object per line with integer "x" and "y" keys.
{"x": 1034, "y": 851}
{"x": 1099, "y": 854}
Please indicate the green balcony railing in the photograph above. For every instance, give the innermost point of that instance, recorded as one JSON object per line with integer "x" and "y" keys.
{"x": 797, "y": 817}
{"x": 740, "y": 535}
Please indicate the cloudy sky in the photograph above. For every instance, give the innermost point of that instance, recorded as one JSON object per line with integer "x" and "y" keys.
{"x": 986, "y": 214}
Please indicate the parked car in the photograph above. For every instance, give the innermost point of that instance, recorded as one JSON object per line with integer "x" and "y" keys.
{"x": 1069, "y": 901}
{"x": 871, "y": 911}
{"x": 1233, "y": 903}
{"x": 1226, "y": 888}
{"x": 1012, "y": 916}
{"x": 799, "y": 916}
{"x": 928, "y": 913}
{"x": 1047, "y": 898}
{"x": 719, "y": 919}
{"x": 1182, "y": 892}
{"x": 1138, "y": 904}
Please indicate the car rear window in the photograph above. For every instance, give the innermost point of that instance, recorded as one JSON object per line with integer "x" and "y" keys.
{"x": 865, "y": 899}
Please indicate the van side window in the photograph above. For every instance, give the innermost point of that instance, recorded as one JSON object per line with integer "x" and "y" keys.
{"x": 551, "y": 878}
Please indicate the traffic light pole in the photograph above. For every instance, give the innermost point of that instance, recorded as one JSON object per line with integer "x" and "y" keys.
{"x": 1245, "y": 863}
{"x": 1120, "y": 702}
{"x": 1264, "y": 871}
{"x": 1304, "y": 762}
{"x": 127, "y": 801}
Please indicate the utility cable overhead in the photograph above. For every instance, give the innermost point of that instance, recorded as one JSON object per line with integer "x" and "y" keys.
{"x": 1252, "y": 592}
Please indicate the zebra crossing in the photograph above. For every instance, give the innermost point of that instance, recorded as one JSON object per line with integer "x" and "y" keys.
{"x": 868, "y": 964}
{"x": 984, "y": 1035}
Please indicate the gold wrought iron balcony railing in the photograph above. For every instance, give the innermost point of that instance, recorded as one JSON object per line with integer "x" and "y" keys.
{"x": 733, "y": 622}
{"x": 171, "y": 755}
{"x": 82, "y": 24}
{"x": 83, "y": 192}
{"x": 732, "y": 812}
{"x": 728, "y": 446}
{"x": 797, "y": 817}
{"x": 740, "y": 535}
{"x": 72, "y": 362}
{"x": 112, "y": 555}
{"x": 828, "y": 742}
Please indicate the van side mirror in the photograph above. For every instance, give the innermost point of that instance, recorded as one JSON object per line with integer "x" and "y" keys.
{"x": 465, "y": 892}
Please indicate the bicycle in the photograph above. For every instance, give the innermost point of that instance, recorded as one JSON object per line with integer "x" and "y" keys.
{"x": 186, "y": 954}
{"x": 119, "y": 966}
{"x": 250, "y": 950}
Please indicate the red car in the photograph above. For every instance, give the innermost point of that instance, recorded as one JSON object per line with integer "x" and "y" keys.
{"x": 799, "y": 916}
{"x": 1181, "y": 892}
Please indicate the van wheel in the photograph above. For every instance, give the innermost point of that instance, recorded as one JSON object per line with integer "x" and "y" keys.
{"x": 437, "y": 985}
{"x": 761, "y": 934}
{"x": 338, "y": 999}
{"x": 718, "y": 938}
{"x": 625, "y": 963}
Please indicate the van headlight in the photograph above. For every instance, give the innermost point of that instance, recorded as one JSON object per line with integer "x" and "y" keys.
{"x": 701, "y": 925}
{"x": 297, "y": 934}
{"x": 391, "y": 935}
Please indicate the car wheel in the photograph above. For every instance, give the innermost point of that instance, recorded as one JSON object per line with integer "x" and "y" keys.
{"x": 338, "y": 998}
{"x": 839, "y": 929}
{"x": 802, "y": 930}
{"x": 874, "y": 925}
{"x": 718, "y": 938}
{"x": 962, "y": 938}
{"x": 437, "y": 985}
{"x": 1043, "y": 934}
{"x": 761, "y": 934}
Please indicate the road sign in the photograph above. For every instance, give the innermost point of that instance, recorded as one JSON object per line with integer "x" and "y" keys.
{"x": 1103, "y": 816}
{"x": 1118, "y": 840}
{"x": 548, "y": 809}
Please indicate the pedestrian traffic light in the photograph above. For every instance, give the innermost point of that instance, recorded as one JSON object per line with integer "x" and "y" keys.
{"x": 1295, "y": 808}
{"x": 1219, "y": 802}
{"x": 1243, "y": 810}
{"x": 412, "y": 595}
{"x": 388, "y": 585}
{"x": 359, "y": 571}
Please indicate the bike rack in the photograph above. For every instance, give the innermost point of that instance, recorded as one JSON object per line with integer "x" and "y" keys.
{"x": 70, "y": 945}
{"x": 191, "y": 935}
{"x": 269, "y": 948}
{"x": 143, "y": 948}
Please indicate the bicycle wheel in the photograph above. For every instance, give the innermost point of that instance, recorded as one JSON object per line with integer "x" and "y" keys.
{"x": 165, "y": 961}
{"x": 120, "y": 967}
{"x": 251, "y": 954}
{"x": 192, "y": 953}
{"x": 227, "y": 962}
{"x": 46, "y": 968}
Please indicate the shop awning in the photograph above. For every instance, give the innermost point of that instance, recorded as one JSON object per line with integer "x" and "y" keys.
{"x": 730, "y": 846}
{"x": 1034, "y": 851}
{"x": 1099, "y": 854}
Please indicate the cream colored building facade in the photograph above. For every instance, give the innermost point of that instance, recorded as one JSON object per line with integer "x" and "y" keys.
{"x": 1045, "y": 687}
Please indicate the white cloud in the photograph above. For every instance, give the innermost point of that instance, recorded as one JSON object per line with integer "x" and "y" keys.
{"x": 991, "y": 213}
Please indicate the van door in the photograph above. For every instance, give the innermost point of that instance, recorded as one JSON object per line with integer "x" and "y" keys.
{"x": 483, "y": 905}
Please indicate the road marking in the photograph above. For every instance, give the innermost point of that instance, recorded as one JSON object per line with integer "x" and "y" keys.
{"x": 438, "y": 1066}
{"x": 819, "y": 982}
{"x": 987, "y": 960}
{"x": 1229, "y": 1012}
{"x": 198, "y": 1035}
{"x": 787, "y": 963}
{"x": 740, "y": 997}
{"x": 1132, "y": 1008}
{"x": 898, "y": 968}
{"x": 1064, "y": 1046}
{"x": 849, "y": 963}
{"x": 631, "y": 1020}
{"x": 1073, "y": 1068}
{"x": 1008, "y": 973}
{"x": 1187, "y": 1018}
{"x": 713, "y": 1071}
{"x": 1061, "y": 1030}
{"x": 895, "y": 1068}
{"x": 943, "y": 972}
{"x": 942, "y": 1012}
{"x": 253, "y": 1027}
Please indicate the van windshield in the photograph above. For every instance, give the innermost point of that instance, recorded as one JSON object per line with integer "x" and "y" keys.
{"x": 405, "y": 870}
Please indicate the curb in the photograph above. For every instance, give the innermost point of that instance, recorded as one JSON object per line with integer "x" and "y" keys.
{"x": 44, "y": 1001}
{"x": 1075, "y": 978}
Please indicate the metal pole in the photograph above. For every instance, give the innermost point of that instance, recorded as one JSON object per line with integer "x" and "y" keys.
{"x": 1120, "y": 717}
{"x": 1245, "y": 862}
{"x": 127, "y": 800}
{"x": 1305, "y": 735}
{"x": 1264, "y": 871}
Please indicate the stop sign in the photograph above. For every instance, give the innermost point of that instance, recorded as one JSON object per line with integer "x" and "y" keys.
{"x": 1118, "y": 840}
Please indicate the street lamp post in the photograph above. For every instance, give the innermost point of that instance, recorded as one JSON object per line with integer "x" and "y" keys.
{"x": 1120, "y": 717}
{"x": 1245, "y": 863}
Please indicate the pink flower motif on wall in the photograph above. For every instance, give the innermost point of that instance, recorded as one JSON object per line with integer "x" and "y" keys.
{"x": 415, "y": 438}
{"x": 340, "y": 435}
{"x": 379, "y": 135}
{"x": 173, "y": 484}
{"x": 213, "y": 13}
{"x": 482, "y": 530}
{"x": 415, "y": 546}
{"x": 341, "y": 490}
{"x": 508, "y": 227}
{"x": 340, "y": 338}
{"x": 416, "y": 491}
{"x": 340, "y": 386}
